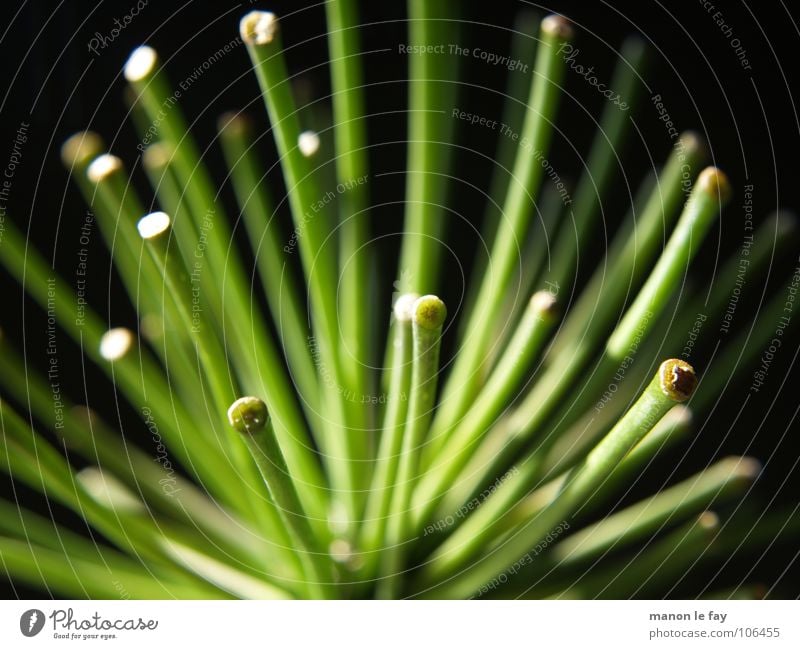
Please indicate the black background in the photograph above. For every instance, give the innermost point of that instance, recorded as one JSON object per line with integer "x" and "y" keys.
{"x": 53, "y": 82}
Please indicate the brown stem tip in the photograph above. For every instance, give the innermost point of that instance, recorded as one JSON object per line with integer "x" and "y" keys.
{"x": 558, "y": 27}
{"x": 714, "y": 182}
{"x": 677, "y": 379}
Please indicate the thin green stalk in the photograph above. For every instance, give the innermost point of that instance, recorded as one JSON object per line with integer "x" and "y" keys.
{"x": 600, "y": 167}
{"x": 118, "y": 208}
{"x": 654, "y": 567}
{"x": 709, "y": 194}
{"x": 385, "y": 475}
{"x": 260, "y": 32}
{"x": 672, "y": 428}
{"x": 428, "y": 315}
{"x": 77, "y": 153}
{"x": 747, "y": 348}
{"x": 223, "y": 281}
{"x": 505, "y": 509}
{"x": 719, "y": 483}
{"x": 93, "y": 440}
{"x": 674, "y": 382}
{"x": 463, "y": 384}
{"x": 506, "y": 379}
{"x": 350, "y": 141}
{"x": 154, "y": 229}
{"x": 635, "y": 245}
{"x": 135, "y": 374}
{"x": 281, "y": 290}
{"x": 432, "y": 86}
{"x": 249, "y": 416}
{"x": 103, "y": 577}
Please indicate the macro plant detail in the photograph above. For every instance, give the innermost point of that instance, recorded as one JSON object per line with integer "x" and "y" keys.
{"x": 301, "y": 447}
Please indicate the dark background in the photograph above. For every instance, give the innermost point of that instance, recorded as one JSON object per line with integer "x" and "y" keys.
{"x": 53, "y": 82}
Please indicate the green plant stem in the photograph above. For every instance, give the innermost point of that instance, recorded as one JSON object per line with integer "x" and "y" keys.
{"x": 350, "y": 141}
{"x": 428, "y": 315}
{"x": 213, "y": 365}
{"x": 93, "y": 440}
{"x": 260, "y": 32}
{"x": 654, "y": 567}
{"x": 708, "y": 196}
{"x": 103, "y": 576}
{"x": 746, "y": 349}
{"x": 223, "y": 282}
{"x": 603, "y": 160}
{"x": 505, "y": 510}
{"x": 712, "y": 191}
{"x": 250, "y": 418}
{"x": 280, "y": 287}
{"x": 635, "y": 245}
{"x": 674, "y": 382}
{"x": 512, "y": 368}
{"x": 463, "y": 384}
{"x": 721, "y": 482}
{"x": 391, "y": 443}
{"x": 140, "y": 379}
{"x": 672, "y": 428}
{"x": 118, "y": 208}
{"x": 432, "y": 86}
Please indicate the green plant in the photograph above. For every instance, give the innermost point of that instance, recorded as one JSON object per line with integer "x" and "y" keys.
{"x": 306, "y": 471}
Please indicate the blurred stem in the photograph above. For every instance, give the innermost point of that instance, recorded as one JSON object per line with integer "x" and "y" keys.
{"x": 350, "y": 141}
{"x": 428, "y": 315}
{"x": 674, "y": 382}
{"x": 464, "y": 378}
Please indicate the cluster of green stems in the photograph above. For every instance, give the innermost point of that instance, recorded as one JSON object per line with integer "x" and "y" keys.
{"x": 296, "y": 468}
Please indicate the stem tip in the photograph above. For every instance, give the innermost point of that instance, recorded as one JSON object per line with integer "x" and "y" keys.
{"x": 153, "y": 225}
{"x": 102, "y": 167}
{"x": 258, "y": 27}
{"x": 81, "y": 148}
{"x": 404, "y": 307}
{"x": 677, "y": 379}
{"x": 248, "y": 415}
{"x": 714, "y": 182}
{"x": 558, "y": 26}
{"x": 115, "y": 343}
{"x": 429, "y": 312}
{"x": 140, "y": 64}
